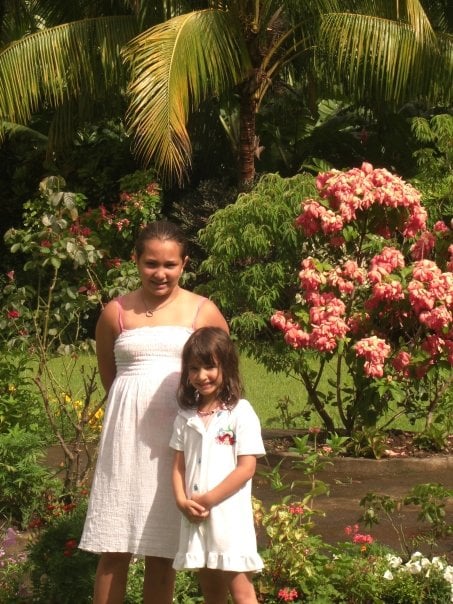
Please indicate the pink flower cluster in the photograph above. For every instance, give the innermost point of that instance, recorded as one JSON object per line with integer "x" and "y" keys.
{"x": 384, "y": 263}
{"x": 345, "y": 194}
{"x": 326, "y": 311}
{"x": 374, "y": 350}
{"x": 368, "y": 298}
{"x": 287, "y": 595}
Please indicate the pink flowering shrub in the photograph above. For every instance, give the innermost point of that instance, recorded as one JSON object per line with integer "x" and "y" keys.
{"x": 378, "y": 295}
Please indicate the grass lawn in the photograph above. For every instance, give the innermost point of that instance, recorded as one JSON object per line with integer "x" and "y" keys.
{"x": 266, "y": 391}
{"x": 263, "y": 389}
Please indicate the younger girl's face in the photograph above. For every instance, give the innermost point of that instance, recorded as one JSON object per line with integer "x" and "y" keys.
{"x": 206, "y": 379}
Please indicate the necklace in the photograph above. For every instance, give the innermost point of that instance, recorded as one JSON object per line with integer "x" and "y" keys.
{"x": 211, "y": 411}
{"x": 149, "y": 312}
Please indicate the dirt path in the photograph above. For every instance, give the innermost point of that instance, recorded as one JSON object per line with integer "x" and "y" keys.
{"x": 351, "y": 479}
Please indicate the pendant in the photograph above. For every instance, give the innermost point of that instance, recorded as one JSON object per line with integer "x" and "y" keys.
{"x": 149, "y": 314}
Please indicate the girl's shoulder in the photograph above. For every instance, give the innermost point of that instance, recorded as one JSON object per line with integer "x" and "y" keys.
{"x": 191, "y": 298}
{"x": 244, "y": 407}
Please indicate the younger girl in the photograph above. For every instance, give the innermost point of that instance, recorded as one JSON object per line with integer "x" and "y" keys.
{"x": 217, "y": 438}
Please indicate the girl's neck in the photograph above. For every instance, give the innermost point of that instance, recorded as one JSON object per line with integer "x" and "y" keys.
{"x": 208, "y": 406}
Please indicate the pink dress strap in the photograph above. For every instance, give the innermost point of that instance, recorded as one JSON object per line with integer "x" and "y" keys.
{"x": 120, "y": 312}
{"x": 202, "y": 301}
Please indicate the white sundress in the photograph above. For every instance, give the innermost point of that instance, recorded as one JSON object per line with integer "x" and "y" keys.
{"x": 226, "y": 540}
{"x": 132, "y": 507}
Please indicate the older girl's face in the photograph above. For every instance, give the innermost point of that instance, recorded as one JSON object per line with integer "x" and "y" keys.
{"x": 160, "y": 266}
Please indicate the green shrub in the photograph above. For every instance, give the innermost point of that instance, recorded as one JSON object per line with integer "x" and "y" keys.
{"x": 59, "y": 570}
{"x": 19, "y": 402}
{"x": 23, "y": 480}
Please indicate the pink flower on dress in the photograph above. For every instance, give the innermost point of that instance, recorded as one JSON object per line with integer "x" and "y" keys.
{"x": 225, "y": 437}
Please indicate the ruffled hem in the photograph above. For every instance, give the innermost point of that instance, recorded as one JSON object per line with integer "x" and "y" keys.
{"x": 228, "y": 562}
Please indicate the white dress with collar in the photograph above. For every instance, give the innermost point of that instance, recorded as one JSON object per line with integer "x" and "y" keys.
{"x": 226, "y": 540}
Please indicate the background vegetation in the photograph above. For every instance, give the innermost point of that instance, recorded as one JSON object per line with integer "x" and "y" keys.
{"x": 89, "y": 153}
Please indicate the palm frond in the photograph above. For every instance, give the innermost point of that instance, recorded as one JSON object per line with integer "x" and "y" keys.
{"x": 175, "y": 66}
{"x": 56, "y": 64}
{"x": 379, "y": 58}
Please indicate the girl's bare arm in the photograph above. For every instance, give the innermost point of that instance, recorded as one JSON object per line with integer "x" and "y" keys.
{"x": 192, "y": 510}
{"x": 245, "y": 469}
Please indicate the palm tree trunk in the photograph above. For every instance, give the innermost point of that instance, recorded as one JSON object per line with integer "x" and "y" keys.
{"x": 247, "y": 118}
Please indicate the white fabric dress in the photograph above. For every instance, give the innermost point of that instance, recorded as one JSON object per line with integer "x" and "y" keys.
{"x": 132, "y": 507}
{"x": 226, "y": 540}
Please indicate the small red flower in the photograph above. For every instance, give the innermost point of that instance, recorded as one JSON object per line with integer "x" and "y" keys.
{"x": 13, "y": 314}
{"x": 287, "y": 595}
{"x": 35, "y": 523}
{"x": 359, "y": 538}
{"x": 46, "y": 243}
{"x": 113, "y": 262}
{"x": 71, "y": 544}
{"x": 314, "y": 430}
{"x": 296, "y": 509}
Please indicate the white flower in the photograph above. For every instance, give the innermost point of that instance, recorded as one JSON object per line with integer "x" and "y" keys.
{"x": 394, "y": 561}
{"x": 438, "y": 562}
{"x": 425, "y": 563}
{"x": 448, "y": 575}
{"x": 388, "y": 575}
{"x": 414, "y": 567}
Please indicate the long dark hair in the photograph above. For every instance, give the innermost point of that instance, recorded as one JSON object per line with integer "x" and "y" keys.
{"x": 163, "y": 230}
{"x": 211, "y": 346}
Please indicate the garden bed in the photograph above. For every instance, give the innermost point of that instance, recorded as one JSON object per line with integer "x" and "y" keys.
{"x": 397, "y": 443}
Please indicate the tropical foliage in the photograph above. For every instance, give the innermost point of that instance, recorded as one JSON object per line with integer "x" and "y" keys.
{"x": 234, "y": 51}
